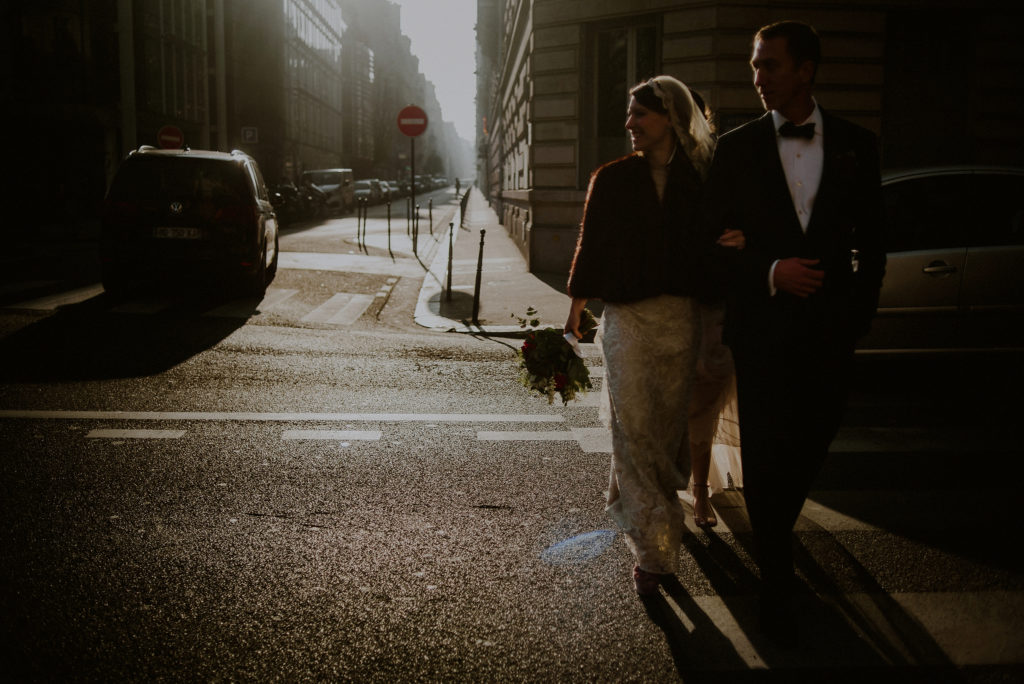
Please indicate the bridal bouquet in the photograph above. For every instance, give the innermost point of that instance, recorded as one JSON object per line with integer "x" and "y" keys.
{"x": 550, "y": 362}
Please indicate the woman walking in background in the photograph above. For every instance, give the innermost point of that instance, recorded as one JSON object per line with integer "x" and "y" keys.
{"x": 713, "y": 418}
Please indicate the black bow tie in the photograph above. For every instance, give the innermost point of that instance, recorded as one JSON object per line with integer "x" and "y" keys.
{"x": 791, "y": 130}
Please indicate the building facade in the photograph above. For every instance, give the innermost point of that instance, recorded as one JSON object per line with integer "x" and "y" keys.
{"x": 939, "y": 84}
{"x": 285, "y": 80}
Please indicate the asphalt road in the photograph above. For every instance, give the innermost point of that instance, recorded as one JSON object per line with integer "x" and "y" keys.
{"x": 205, "y": 488}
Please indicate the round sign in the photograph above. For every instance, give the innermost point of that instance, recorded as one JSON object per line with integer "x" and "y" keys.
{"x": 170, "y": 137}
{"x": 412, "y": 121}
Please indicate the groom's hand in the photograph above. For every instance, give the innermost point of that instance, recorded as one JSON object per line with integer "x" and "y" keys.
{"x": 795, "y": 276}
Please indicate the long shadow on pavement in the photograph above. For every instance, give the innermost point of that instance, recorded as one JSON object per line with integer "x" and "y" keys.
{"x": 88, "y": 341}
{"x": 873, "y": 638}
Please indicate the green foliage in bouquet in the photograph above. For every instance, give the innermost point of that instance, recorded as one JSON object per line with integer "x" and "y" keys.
{"x": 548, "y": 364}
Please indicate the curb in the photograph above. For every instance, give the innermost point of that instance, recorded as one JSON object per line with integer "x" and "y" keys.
{"x": 433, "y": 285}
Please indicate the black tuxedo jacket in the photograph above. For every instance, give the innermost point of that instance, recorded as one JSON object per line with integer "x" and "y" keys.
{"x": 747, "y": 190}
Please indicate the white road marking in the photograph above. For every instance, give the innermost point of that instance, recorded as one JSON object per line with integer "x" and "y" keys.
{"x": 849, "y": 439}
{"x": 339, "y": 435}
{"x": 342, "y": 309}
{"x": 594, "y": 440}
{"x": 351, "y": 263}
{"x": 285, "y": 417}
{"x": 525, "y": 436}
{"x": 61, "y": 299}
{"x": 135, "y": 434}
{"x": 961, "y": 624}
{"x": 592, "y": 399}
{"x": 244, "y": 308}
{"x": 882, "y": 439}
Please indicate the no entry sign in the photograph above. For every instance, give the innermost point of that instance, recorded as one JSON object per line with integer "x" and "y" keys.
{"x": 170, "y": 138}
{"x": 412, "y": 121}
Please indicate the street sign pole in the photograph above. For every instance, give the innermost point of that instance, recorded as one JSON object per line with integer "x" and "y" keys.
{"x": 412, "y": 121}
{"x": 412, "y": 179}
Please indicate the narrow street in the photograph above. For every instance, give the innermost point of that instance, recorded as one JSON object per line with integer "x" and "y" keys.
{"x": 312, "y": 487}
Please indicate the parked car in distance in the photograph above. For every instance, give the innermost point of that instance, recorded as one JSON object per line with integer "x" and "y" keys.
{"x": 175, "y": 215}
{"x": 392, "y": 191}
{"x": 363, "y": 191}
{"x": 368, "y": 189}
{"x": 955, "y": 273}
{"x": 294, "y": 204}
{"x": 338, "y": 184}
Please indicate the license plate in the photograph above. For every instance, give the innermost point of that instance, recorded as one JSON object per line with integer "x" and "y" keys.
{"x": 177, "y": 233}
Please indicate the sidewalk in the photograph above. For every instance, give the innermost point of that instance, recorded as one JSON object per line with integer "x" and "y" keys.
{"x": 506, "y": 285}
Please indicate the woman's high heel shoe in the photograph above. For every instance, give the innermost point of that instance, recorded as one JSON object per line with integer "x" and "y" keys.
{"x": 645, "y": 583}
{"x": 703, "y": 521}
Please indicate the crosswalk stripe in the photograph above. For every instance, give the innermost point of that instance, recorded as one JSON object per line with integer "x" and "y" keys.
{"x": 61, "y": 299}
{"x": 135, "y": 434}
{"x": 337, "y": 435}
{"x": 525, "y": 436}
{"x": 351, "y": 263}
{"x": 910, "y": 440}
{"x": 284, "y": 417}
{"x": 341, "y": 309}
{"x": 243, "y": 308}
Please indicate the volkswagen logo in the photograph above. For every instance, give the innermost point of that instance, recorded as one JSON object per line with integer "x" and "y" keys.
{"x": 177, "y": 207}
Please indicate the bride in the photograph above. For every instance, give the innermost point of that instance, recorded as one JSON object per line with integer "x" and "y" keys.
{"x": 638, "y": 252}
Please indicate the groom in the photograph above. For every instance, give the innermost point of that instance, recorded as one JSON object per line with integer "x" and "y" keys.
{"x": 804, "y": 187}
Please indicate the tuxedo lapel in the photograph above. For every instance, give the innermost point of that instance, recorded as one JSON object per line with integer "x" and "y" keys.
{"x": 829, "y": 189}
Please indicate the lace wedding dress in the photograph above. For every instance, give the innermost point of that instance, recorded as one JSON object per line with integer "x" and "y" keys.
{"x": 714, "y": 419}
{"x": 650, "y": 350}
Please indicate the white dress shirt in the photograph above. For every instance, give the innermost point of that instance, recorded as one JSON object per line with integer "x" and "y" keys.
{"x": 802, "y": 161}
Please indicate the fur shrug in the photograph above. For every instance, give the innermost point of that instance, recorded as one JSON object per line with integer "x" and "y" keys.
{"x": 631, "y": 246}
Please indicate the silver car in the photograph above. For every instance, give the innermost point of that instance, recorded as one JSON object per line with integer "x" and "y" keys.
{"x": 955, "y": 273}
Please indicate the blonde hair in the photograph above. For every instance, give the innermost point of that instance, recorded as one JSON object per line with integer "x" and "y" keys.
{"x": 689, "y": 123}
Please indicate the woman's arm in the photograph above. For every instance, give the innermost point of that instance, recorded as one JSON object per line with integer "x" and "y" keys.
{"x": 588, "y": 273}
{"x": 572, "y": 324}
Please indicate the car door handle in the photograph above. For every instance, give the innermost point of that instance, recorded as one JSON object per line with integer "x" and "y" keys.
{"x": 938, "y": 268}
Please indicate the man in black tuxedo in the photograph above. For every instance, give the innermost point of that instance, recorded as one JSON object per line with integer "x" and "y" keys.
{"x": 804, "y": 187}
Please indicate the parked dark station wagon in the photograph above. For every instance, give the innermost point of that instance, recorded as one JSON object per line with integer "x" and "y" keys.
{"x": 955, "y": 273}
{"x": 177, "y": 215}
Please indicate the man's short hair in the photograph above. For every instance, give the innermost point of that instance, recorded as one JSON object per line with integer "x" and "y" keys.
{"x": 802, "y": 41}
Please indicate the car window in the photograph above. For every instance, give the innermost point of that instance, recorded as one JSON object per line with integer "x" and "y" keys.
{"x": 254, "y": 182}
{"x": 926, "y": 213}
{"x": 323, "y": 177}
{"x": 261, "y": 185}
{"x": 161, "y": 178}
{"x": 999, "y": 210}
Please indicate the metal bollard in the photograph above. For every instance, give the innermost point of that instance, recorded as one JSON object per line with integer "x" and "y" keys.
{"x": 430, "y": 209}
{"x": 362, "y": 234}
{"x": 389, "y": 230}
{"x": 451, "y": 239}
{"x": 476, "y": 287}
{"x": 359, "y": 223}
{"x": 416, "y": 230}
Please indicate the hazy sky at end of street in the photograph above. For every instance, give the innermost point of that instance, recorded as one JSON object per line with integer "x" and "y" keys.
{"x": 443, "y": 36}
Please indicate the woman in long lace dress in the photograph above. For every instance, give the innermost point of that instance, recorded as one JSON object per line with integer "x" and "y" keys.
{"x": 638, "y": 252}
